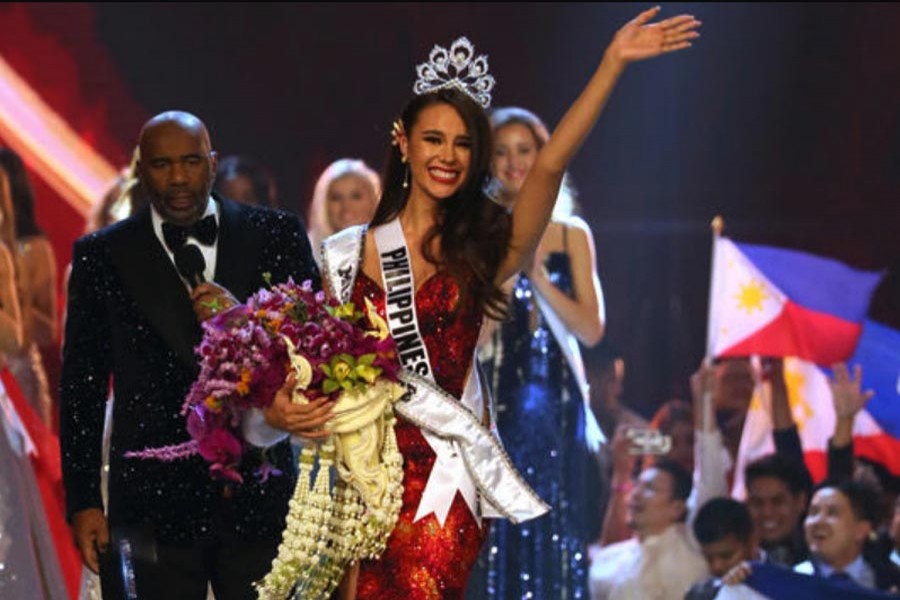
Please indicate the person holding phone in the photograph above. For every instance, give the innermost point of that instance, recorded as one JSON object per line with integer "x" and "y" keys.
{"x": 661, "y": 559}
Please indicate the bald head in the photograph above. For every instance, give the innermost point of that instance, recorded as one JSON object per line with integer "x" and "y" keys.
{"x": 177, "y": 165}
{"x": 175, "y": 119}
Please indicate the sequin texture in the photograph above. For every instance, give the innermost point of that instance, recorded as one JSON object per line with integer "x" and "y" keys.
{"x": 541, "y": 420}
{"x": 424, "y": 561}
{"x": 129, "y": 315}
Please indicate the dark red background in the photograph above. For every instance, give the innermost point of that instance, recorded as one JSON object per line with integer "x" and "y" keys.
{"x": 783, "y": 118}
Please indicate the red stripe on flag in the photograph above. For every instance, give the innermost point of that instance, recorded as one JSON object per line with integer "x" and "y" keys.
{"x": 882, "y": 449}
{"x": 817, "y": 463}
{"x": 804, "y": 333}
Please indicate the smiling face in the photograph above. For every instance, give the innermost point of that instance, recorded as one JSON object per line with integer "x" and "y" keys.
{"x": 177, "y": 169}
{"x": 350, "y": 200}
{"x": 651, "y": 505}
{"x": 775, "y": 509}
{"x": 515, "y": 150}
{"x": 438, "y": 148}
{"x": 834, "y": 533}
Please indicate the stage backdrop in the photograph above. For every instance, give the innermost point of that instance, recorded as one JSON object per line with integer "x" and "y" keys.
{"x": 782, "y": 118}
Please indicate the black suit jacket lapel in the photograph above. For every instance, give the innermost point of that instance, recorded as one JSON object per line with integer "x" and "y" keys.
{"x": 238, "y": 251}
{"x": 149, "y": 276}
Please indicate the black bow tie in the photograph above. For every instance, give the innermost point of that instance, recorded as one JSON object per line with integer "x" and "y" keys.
{"x": 204, "y": 230}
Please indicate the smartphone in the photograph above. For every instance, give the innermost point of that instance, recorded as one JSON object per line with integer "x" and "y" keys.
{"x": 648, "y": 441}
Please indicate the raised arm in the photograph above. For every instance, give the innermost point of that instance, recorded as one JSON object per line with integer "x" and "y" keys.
{"x": 637, "y": 40}
{"x": 583, "y": 313}
{"x": 784, "y": 429}
{"x": 848, "y": 399}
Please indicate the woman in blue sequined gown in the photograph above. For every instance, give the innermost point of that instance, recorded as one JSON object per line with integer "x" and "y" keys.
{"x": 534, "y": 367}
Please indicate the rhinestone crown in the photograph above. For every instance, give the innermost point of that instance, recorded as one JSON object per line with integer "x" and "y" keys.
{"x": 457, "y": 67}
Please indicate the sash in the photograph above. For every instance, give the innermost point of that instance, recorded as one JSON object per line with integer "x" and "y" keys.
{"x": 568, "y": 345}
{"x": 19, "y": 440}
{"x": 484, "y": 463}
{"x": 341, "y": 257}
{"x": 469, "y": 458}
{"x": 400, "y": 303}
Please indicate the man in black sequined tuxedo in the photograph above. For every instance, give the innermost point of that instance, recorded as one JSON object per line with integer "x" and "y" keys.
{"x": 131, "y": 317}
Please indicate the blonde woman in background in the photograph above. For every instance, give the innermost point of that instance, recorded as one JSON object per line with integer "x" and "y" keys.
{"x": 346, "y": 194}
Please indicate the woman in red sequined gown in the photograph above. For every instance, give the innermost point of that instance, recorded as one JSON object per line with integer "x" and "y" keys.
{"x": 462, "y": 246}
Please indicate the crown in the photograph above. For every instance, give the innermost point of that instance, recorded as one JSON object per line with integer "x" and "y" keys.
{"x": 457, "y": 67}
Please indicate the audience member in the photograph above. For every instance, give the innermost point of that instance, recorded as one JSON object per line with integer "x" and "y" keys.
{"x": 606, "y": 376}
{"x": 839, "y": 525}
{"x": 777, "y": 494}
{"x": 732, "y": 390}
{"x": 661, "y": 561}
{"x": 675, "y": 419}
{"x": 724, "y": 529}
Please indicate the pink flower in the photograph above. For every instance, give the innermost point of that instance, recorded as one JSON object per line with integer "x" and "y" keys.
{"x": 220, "y": 446}
{"x": 248, "y": 339}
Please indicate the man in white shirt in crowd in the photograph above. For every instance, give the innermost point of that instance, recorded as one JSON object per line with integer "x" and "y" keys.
{"x": 661, "y": 561}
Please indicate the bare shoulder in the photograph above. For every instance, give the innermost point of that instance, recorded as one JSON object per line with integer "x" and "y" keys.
{"x": 576, "y": 225}
{"x": 570, "y": 232}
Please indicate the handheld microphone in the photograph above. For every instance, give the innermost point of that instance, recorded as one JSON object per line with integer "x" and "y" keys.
{"x": 190, "y": 263}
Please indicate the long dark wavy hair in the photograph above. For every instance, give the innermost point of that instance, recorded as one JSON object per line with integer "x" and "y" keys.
{"x": 22, "y": 196}
{"x": 474, "y": 231}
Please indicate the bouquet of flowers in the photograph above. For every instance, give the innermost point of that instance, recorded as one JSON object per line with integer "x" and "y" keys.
{"x": 333, "y": 350}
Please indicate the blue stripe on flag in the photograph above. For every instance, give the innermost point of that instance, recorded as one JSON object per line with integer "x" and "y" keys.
{"x": 817, "y": 283}
{"x": 878, "y": 351}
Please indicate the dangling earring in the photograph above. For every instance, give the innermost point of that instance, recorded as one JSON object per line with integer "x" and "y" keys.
{"x": 405, "y": 174}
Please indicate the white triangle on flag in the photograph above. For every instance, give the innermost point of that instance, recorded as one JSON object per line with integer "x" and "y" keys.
{"x": 812, "y": 406}
{"x": 742, "y": 299}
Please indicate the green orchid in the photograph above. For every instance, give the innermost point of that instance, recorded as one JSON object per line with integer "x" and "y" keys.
{"x": 365, "y": 370}
{"x": 346, "y": 373}
{"x": 347, "y": 312}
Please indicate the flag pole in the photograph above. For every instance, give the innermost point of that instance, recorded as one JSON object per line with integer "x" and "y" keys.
{"x": 717, "y": 225}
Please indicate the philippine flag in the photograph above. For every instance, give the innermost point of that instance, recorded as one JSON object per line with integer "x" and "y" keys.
{"x": 771, "y": 582}
{"x": 775, "y": 302}
{"x": 876, "y": 430}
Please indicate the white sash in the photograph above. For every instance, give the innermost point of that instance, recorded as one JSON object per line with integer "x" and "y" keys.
{"x": 399, "y": 299}
{"x": 570, "y": 349}
{"x": 19, "y": 440}
{"x": 469, "y": 458}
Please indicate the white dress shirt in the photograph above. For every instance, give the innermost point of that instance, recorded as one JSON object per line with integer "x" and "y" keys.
{"x": 858, "y": 571}
{"x": 661, "y": 567}
{"x": 208, "y": 252}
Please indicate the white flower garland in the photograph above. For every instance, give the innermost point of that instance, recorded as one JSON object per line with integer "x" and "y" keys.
{"x": 329, "y": 528}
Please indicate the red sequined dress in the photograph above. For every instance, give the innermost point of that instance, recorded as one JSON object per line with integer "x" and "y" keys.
{"x": 425, "y": 560}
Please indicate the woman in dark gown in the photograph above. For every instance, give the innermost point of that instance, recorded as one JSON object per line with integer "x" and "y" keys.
{"x": 534, "y": 366}
{"x": 454, "y": 249}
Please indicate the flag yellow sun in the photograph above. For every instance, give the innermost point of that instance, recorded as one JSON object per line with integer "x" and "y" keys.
{"x": 800, "y": 406}
{"x": 751, "y": 296}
